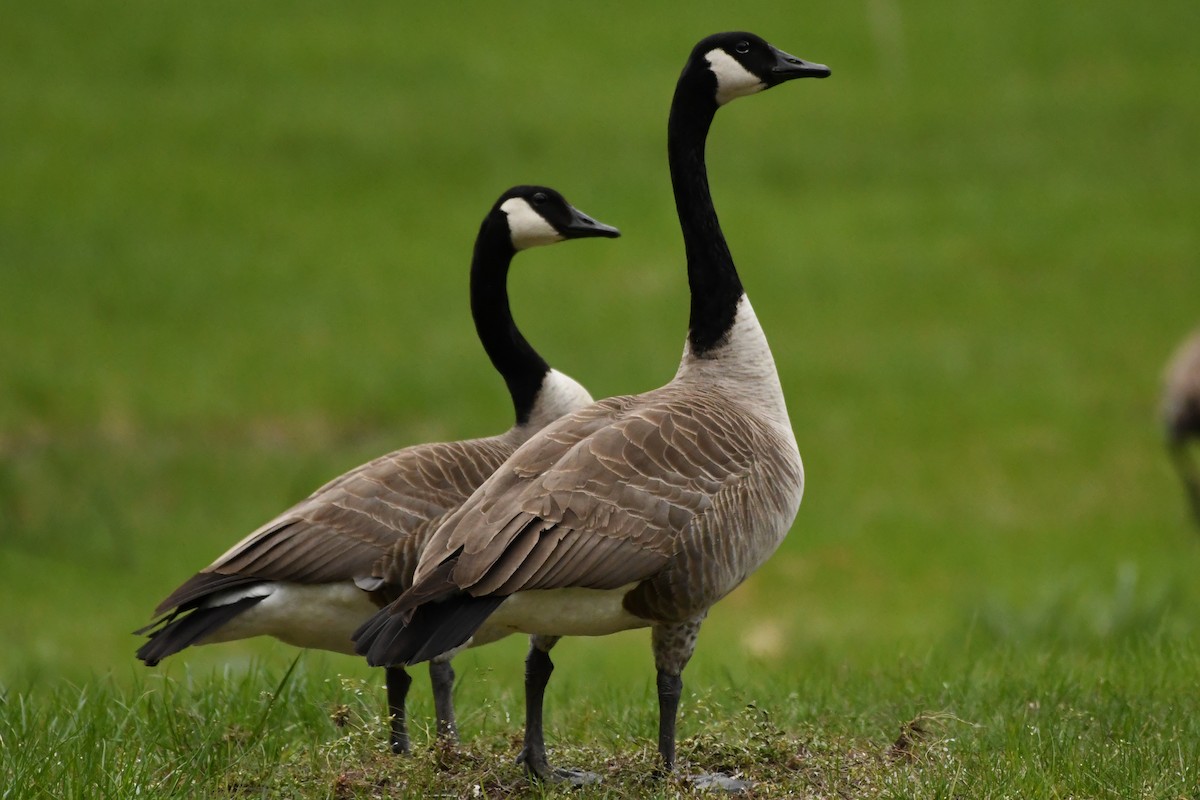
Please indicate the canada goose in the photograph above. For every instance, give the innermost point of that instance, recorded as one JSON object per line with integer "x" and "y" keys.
{"x": 310, "y": 576}
{"x": 1181, "y": 414}
{"x": 636, "y": 511}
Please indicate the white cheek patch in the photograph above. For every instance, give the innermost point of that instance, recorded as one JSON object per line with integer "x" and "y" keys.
{"x": 527, "y": 227}
{"x": 733, "y": 80}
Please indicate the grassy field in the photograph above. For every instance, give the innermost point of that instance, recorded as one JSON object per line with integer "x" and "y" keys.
{"x": 233, "y": 261}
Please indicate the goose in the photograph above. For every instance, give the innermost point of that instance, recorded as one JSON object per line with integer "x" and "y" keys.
{"x": 1181, "y": 414}
{"x": 641, "y": 510}
{"x": 311, "y": 575}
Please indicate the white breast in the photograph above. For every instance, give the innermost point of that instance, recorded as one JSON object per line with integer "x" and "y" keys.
{"x": 559, "y": 394}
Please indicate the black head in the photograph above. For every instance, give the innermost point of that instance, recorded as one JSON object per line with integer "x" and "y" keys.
{"x": 743, "y": 63}
{"x": 538, "y": 215}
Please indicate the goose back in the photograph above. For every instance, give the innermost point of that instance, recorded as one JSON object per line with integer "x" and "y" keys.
{"x": 680, "y": 492}
{"x": 349, "y": 529}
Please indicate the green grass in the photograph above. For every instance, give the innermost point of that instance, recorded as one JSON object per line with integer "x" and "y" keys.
{"x": 961, "y": 720}
{"x": 233, "y": 256}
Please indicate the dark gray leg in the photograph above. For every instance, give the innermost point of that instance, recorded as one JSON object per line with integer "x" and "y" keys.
{"x": 673, "y": 646}
{"x": 441, "y": 676}
{"x": 670, "y": 688}
{"x": 538, "y": 667}
{"x": 398, "y": 682}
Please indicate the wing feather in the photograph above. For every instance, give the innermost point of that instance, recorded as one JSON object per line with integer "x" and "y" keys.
{"x": 356, "y": 526}
{"x": 606, "y": 497}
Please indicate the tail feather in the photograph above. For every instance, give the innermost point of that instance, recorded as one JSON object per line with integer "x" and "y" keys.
{"x": 370, "y": 629}
{"x": 180, "y": 630}
{"x": 389, "y": 640}
{"x": 202, "y": 586}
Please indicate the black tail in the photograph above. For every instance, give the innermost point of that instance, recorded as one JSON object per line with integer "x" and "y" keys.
{"x": 184, "y": 629}
{"x": 387, "y": 640}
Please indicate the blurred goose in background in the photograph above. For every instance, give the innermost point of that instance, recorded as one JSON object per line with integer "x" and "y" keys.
{"x": 1181, "y": 415}
{"x": 637, "y": 511}
{"x": 313, "y": 574}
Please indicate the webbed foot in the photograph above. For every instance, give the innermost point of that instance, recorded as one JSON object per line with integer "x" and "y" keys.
{"x": 540, "y": 770}
{"x": 718, "y": 782}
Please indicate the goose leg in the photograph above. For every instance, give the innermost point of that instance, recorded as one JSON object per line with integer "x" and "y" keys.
{"x": 398, "y": 682}
{"x": 1188, "y": 473}
{"x": 441, "y": 676}
{"x": 673, "y": 646}
{"x": 670, "y": 689}
{"x": 538, "y": 667}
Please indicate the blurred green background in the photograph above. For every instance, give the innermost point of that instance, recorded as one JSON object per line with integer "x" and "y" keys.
{"x": 234, "y": 241}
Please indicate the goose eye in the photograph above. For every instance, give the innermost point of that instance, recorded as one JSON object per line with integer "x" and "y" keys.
{"x": 742, "y": 47}
{"x": 539, "y": 198}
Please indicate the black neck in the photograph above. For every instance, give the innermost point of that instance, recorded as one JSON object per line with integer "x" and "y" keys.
{"x": 513, "y": 357}
{"x": 712, "y": 277}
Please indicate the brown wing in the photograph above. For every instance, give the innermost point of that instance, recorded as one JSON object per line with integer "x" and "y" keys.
{"x": 356, "y": 526}
{"x": 602, "y": 499}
